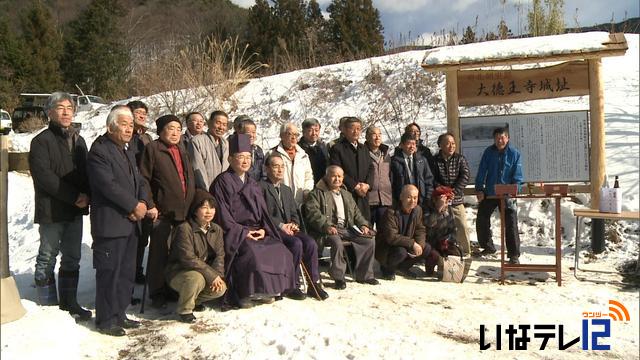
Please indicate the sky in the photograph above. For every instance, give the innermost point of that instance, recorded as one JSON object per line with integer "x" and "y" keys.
{"x": 411, "y": 19}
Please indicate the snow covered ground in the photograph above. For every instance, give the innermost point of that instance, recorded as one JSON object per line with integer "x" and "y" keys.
{"x": 404, "y": 319}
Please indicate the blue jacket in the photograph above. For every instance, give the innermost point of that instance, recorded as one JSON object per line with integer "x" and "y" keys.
{"x": 499, "y": 168}
{"x": 116, "y": 189}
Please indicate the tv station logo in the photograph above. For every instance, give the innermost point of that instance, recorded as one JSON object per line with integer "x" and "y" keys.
{"x": 596, "y": 328}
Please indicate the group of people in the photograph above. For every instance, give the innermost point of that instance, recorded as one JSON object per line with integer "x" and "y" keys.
{"x": 224, "y": 218}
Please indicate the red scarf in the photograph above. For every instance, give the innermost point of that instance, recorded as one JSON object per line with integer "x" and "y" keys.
{"x": 175, "y": 154}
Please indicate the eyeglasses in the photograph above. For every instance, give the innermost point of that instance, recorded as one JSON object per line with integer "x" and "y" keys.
{"x": 290, "y": 134}
{"x": 242, "y": 157}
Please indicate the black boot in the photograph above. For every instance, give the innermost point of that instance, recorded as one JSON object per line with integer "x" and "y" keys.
{"x": 68, "y": 289}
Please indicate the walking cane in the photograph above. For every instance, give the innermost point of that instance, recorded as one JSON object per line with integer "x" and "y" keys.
{"x": 146, "y": 282}
{"x": 310, "y": 281}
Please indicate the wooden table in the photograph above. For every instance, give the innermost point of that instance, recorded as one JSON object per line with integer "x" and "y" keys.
{"x": 557, "y": 266}
{"x": 596, "y": 214}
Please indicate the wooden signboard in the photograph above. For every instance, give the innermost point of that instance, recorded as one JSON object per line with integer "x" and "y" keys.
{"x": 484, "y": 87}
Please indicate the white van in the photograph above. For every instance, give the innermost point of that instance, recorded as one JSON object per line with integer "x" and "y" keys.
{"x": 88, "y": 102}
{"x": 5, "y": 122}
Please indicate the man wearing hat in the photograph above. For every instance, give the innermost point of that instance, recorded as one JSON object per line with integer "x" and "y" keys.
{"x": 168, "y": 174}
{"x": 258, "y": 266}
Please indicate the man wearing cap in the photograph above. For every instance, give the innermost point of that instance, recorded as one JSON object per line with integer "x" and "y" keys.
{"x": 168, "y": 174}
{"x": 210, "y": 151}
{"x": 139, "y": 140}
{"x": 258, "y": 267}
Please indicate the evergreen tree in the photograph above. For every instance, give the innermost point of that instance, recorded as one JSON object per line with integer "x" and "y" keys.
{"x": 96, "y": 56}
{"x": 469, "y": 36}
{"x": 43, "y": 47}
{"x": 314, "y": 13}
{"x": 321, "y": 48}
{"x": 261, "y": 31}
{"x": 12, "y": 66}
{"x": 290, "y": 24}
{"x": 355, "y": 27}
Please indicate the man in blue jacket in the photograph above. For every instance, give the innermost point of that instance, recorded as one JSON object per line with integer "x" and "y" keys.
{"x": 500, "y": 164}
{"x": 118, "y": 203}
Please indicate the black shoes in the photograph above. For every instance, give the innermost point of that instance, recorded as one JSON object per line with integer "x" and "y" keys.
{"x": 408, "y": 274}
{"x": 75, "y": 309}
{"x": 295, "y": 294}
{"x": 187, "y": 318}
{"x": 515, "y": 260}
{"x": 317, "y": 292}
{"x": 199, "y": 308}
{"x": 340, "y": 285}
{"x": 113, "y": 330}
{"x": 487, "y": 252}
{"x": 388, "y": 274}
{"x": 246, "y": 303}
{"x": 130, "y": 324}
{"x": 371, "y": 281}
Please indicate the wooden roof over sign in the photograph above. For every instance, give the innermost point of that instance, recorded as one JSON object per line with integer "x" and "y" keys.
{"x": 566, "y": 47}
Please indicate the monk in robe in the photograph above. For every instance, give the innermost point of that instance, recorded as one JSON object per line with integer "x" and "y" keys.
{"x": 258, "y": 266}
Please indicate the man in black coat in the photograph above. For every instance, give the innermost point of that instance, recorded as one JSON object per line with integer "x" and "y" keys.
{"x": 317, "y": 150}
{"x": 118, "y": 203}
{"x": 409, "y": 167}
{"x": 57, "y": 161}
{"x": 353, "y": 157}
{"x": 138, "y": 142}
{"x": 283, "y": 211}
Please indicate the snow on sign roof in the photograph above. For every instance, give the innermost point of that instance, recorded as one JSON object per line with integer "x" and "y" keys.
{"x": 527, "y": 50}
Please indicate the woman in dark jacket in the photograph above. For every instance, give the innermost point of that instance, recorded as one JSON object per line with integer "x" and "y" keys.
{"x": 169, "y": 177}
{"x": 196, "y": 262}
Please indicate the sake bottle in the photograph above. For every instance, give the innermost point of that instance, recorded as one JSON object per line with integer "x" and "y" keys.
{"x": 616, "y": 185}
